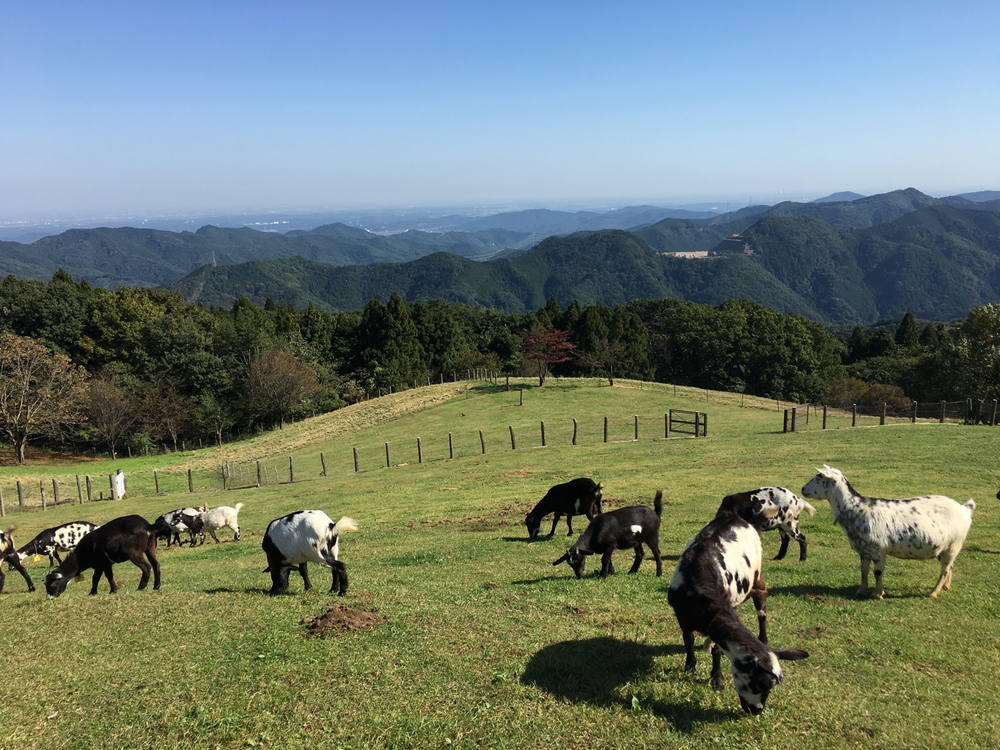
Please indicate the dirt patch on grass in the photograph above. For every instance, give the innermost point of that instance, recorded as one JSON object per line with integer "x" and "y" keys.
{"x": 816, "y": 631}
{"x": 343, "y": 619}
{"x": 826, "y": 600}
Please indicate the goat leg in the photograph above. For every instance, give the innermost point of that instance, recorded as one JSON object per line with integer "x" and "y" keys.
{"x": 783, "y": 549}
{"x": 716, "y": 667}
{"x": 690, "y": 661}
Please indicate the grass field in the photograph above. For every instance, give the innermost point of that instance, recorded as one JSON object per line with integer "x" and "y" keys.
{"x": 483, "y": 643}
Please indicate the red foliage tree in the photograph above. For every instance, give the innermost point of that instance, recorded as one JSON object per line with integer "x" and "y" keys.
{"x": 543, "y": 346}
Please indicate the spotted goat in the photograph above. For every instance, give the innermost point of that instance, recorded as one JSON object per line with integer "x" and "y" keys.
{"x": 9, "y": 555}
{"x": 170, "y": 525}
{"x": 51, "y": 542}
{"x": 914, "y": 528}
{"x": 717, "y": 571}
{"x": 303, "y": 537}
{"x": 789, "y": 507}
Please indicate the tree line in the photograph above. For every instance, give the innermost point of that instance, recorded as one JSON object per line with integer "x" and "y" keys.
{"x": 84, "y": 367}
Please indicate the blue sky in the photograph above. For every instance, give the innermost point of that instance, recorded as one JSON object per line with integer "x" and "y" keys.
{"x": 143, "y": 106}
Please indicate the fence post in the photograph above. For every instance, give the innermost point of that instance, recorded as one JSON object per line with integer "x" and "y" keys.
{"x": 420, "y": 452}
{"x": 574, "y": 430}
{"x": 513, "y": 445}
{"x": 3, "y": 509}
{"x": 90, "y": 491}
{"x": 807, "y": 414}
{"x": 355, "y": 460}
{"x": 542, "y": 423}
{"x": 20, "y": 493}
{"x": 111, "y": 483}
{"x": 944, "y": 406}
{"x": 521, "y": 393}
{"x": 322, "y": 462}
{"x": 794, "y": 413}
{"x": 258, "y": 474}
{"x": 605, "y": 429}
{"x": 508, "y": 382}
{"x": 993, "y": 420}
{"x": 482, "y": 443}
{"x": 291, "y": 470}
{"x": 225, "y": 475}
{"x": 913, "y": 412}
{"x": 704, "y": 424}
{"x": 156, "y": 483}
{"x": 824, "y": 416}
{"x": 666, "y": 425}
{"x": 387, "y": 455}
{"x": 451, "y": 447}
{"x": 190, "y": 481}
{"x": 882, "y": 417}
{"x": 854, "y": 415}
{"x": 635, "y": 423}
{"x": 784, "y": 424}
{"x": 79, "y": 490}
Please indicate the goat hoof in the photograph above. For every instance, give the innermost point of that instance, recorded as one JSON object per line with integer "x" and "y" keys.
{"x": 716, "y": 684}
{"x": 879, "y": 595}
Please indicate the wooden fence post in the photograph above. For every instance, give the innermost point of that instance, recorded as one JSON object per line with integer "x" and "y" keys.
{"x": 521, "y": 393}
{"x": 993, "y": 420}
{"x": 913, "y": 412}
{"x": 3, "y": 508}
{"x": 90, "y": 490}
{"x": 291, "y": 470}
{"x": 605, "y": 429}
{"x": 882, "y": 418}
{"x": 225, "y": 475}
{"x": 513, "y": 444}
{"x": 420, "y": 452}
{"x": 322, "y": 463}
{"x": 451, "y": 447}
{"x": 508, "y": 382}
{"x": 258, "y": 474}
{"x": 355, "y": 460}
{"x": 41, "y": 490}
{"x": 387, "y": 455}
{"x": 79, "y": 490}
{"x": 542, "y": 423}
{"x": 784, "y": 424}
{"x": 111, "y": 484}
{"x": 854, "y": 415}
{"x": 20, "y": 494}
{"x": 824, "y": 416}
{"x": 943, "y": 408}
{"x": 794, "y": 413}
{"x": 635, "y": 421}
{"x": 574, "y": 431}
{"x": 190, "y": 481}
{"x": 704, "y": 424}
{"x": 482, "y": 442}
{"x": 666, "y": 425}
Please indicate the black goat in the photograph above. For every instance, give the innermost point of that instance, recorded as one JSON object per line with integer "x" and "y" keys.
{"x": 125, "y": 538}
{"x": 9, "y": 555}
{"x": 717, "y": 571}
{"x": 577, "y": 497}
{"x": 625, "y": 528}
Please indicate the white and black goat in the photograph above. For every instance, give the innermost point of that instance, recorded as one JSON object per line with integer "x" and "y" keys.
{"x": 303, "y": 537}
{"x": 717, "y": 571}
{"x": 212, "y": 520}
{"x": 170, "y": 525}
{"x": 125, "y": 538}
{"x": 577, "y": 497}
{"x": 789, "y": 507}
{"x": 914, "y": 528}
{"x": 625, "y": 528}
{"x": 9, "y": 555}
{"x": 51, "y": 542}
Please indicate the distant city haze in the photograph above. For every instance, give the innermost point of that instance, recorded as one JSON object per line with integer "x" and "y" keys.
{"x": 123, "y": 109}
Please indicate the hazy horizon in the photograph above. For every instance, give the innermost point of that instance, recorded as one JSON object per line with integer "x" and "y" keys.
{"x": 123, "y": 109}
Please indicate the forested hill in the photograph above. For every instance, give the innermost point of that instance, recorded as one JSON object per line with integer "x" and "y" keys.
{"x": 109, "y": 257}
{"x": 938, "y": 262}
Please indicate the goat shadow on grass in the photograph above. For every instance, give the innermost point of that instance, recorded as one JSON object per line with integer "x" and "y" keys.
{"x": 229, "y": 590}
{"x": 980, "y": 550}
{"x": 841, "y": 595}
{"x": 567, "y": 671}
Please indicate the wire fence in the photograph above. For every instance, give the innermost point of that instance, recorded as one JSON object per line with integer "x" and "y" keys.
{"x": 346, "y": 458}
{"x": 822, "y": 416}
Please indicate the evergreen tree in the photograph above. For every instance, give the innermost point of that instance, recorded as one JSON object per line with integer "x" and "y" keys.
{"x": 907, "y": 335}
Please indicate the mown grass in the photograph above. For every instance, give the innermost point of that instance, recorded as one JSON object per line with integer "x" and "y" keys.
{"x": 485, "y": 643}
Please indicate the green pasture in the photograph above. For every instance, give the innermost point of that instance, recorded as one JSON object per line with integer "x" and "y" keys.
{"x": 484, "y": 644}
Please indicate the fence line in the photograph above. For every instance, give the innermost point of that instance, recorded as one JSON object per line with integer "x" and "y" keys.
{"x": 970, "y": 411}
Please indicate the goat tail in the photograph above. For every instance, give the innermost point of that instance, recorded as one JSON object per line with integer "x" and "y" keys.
{"x": 971, "y": 505}
{"x": 658, "y": 503}
{"x": 345, "y": 524}
{"x": 237, "y": 507}
{"x": 808, "y": 508}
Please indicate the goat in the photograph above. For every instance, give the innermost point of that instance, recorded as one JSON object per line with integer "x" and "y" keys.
{"x": 716, "y": 572}
{"x": 303, "y": 537}
{"x": 212, "y": 520}
{"x": 121, "y": 539}
{"x": 9, "y": 554}
{"x": 58, "y": 538}
{"x": 573, "y": 498}
{"x": 786, "y": 521}
{"x": 625, "y": 528}
{"x": 914, "y": 528}
{"x": 170, "y": 525}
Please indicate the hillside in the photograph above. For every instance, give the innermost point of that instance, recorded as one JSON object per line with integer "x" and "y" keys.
{"x": 937, "y": 262}
{"x": 844, "y": 195}
{"x": 547, "y": 222}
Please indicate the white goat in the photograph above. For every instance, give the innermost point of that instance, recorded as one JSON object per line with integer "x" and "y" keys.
{"x": 212, "y": 520}
{"x": 916, "y": 528}
{"x": 303, "y": 537}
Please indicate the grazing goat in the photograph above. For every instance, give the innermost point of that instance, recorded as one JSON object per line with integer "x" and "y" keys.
{"x": 303, "y": 537}
{"x": 212, "y": 520}
{"x": 573, "y": 498}
{"x": 9, "y": 555}
{"x": 58, "y": 538}
{"x": 170, "y": 525}
{"x": 717, "y": 571}
{"x": 121, "y": 539}
{"x": 786, "y": 520}
{"x": 625, "y": 528}
{"x": 914, "y": 528}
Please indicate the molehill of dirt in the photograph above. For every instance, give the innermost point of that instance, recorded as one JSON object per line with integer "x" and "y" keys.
{"x": 342, "y": 619}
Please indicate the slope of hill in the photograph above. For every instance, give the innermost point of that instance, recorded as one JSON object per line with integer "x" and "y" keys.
{"x": 844, "y": 195}
{"x": 547, "y": 222}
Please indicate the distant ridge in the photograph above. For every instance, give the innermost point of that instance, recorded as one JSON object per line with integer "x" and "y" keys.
{"x": 843, "y": 196}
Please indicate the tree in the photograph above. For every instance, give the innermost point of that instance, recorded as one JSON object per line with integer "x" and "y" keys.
{"x": 166, "y": 412}
{"x": 907, "y": 335}
{"x": 41, "y": 392}
{"x": 277, "y": 382}
{"x": 212, "y": 414}
{"x": 543, "y": 346}
{"x": 110, "y": 411}
{"x": 603, "y": 357}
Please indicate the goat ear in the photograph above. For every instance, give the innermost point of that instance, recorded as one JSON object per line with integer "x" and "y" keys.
{"x": 791, "y": 654}
{"x": 561, "y": 559}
